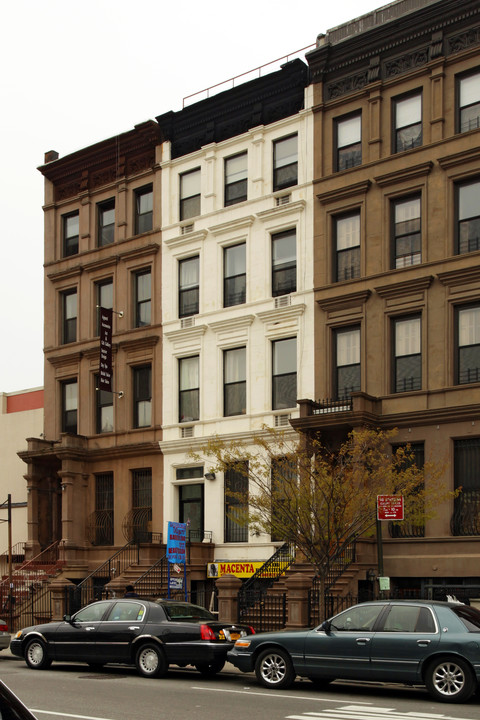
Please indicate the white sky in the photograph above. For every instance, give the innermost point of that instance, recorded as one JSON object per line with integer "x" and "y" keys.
{"x": 73, "y": 74}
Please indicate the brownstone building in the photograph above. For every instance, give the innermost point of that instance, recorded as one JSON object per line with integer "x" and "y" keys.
{"x": 397, "y": 261}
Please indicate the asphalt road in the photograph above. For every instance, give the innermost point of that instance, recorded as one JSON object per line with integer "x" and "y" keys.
{"x": 74, "y": 692}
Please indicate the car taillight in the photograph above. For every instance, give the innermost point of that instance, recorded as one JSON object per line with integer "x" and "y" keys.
{"x": 3, "y": 628}
{"x": 206, "y": 633}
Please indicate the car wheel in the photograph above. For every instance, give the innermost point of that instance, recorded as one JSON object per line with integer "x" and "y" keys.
{"x": 150, "y": 661}
{"x": 450, "y": 680}
{"x": 274, "y": 669}
{"x": 210, "y": 669}
{"x": 36, "y": 655}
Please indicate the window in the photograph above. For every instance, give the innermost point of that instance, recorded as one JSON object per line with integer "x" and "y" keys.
{"x": 188, "y": 286}
{"x": 284, "y": 263}
{"x": 348, "y": 142}
{"x": 406, "y": 232}
{"x": 190, "y": 194}
{"x": 104, "y": 409}
{"x": 407, "y": 122}
{"x": 143, "y": 209}
{"x": 285, "y": 162}
{"x": 468, "y": 102}
{"x": 235, "y": 382}
{"x": 409, "y": 619}
{"x": 70, "y": 232}
{"x": 347, "y": 242}
{"x": 468, "y": 344}
{"x": 235, "y": 275}
{"x": 284, "y": 376}
{"x": 236, "y": 503}
{"x": 347, "y": 362}
{"x": 143, "y": 298}
{"x": 415, "y": 455}
{"x": 106, "y": 223}
{"x": 141, "y": 505}
{"x": 357, "y": 619}
{"x": 188, "y": 402}
{"x": 407, "y": 360}
{"x": 142, "y": 396}
{"x": 69, "y": 406}
{"x": 69, "y": 316}
{"x": 236, "y": 179}
{"x": 468, "y": 217}
{"x": 104, "y": 299}
{"x": 191, "y": 511}
{"x": 283, "y": 478}
{"x": 466, "y": 513}
{"x": 103, "y": 525}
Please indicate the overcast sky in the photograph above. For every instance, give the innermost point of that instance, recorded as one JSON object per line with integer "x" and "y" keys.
{"x": 74, "y": 73}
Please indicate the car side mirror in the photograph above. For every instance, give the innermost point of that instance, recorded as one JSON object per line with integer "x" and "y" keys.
{"x": 68, "y": 619}
{"x": 326, "y": 625}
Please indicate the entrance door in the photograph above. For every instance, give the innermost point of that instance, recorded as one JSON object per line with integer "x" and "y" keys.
{"x": 191, "y": 510}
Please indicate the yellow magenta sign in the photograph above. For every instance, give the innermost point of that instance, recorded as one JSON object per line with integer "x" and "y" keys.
{"x": 241, "y": 569}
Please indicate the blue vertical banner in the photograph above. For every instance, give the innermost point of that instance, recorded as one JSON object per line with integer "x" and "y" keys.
{"x": 177, "y": 533}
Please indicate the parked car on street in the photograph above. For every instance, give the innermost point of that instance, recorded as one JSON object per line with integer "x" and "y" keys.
{"x": 148, "y": 634}
{"x": 436, "y": 644}
{"x": 4, "y": 635}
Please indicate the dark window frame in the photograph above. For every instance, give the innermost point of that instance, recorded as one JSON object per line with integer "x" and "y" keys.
{"x": 284, "y": 274}
{"x": 143, "y": 219}
{"x": 291, "y": 179}
{"x": 406, "y": 360}
{"x": 103, "y": 399}
{"x": 396, "y": 129}
{"x": 458, "y": 108}
{"x": 279, "y": 399}
{"x": 356, "y": 367}
{"x": 471, "y": 377}
{"x": 398, "y": 237}
{"x": 185, "y": 201}
{"x": 474, "y": 220}
{"x": 229, "y": 411}
{"x": 353, "y": 252}
{"x": 355, "y": 147}
{"x": 235, "y": 191}
{"x": 193, "y": 305}
{"x": 69, "y": 417}
{"x": 142, "y": 306}
{"x": 105, "y": 231}
{"x": 193, "y": 393}
{"x": 235, "y": 285}
{"x": 142, "y": 393}
{"x": 70, "y": 243}
{"x": 98, "y": 301}
{"x": 69, "y": 323}
{"x": 236, "y": 481}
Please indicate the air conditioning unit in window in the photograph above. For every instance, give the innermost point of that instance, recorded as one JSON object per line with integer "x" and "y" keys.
{"x": 187, "y": 432}
{"x": 283, "y": 301}
{"x": 282, "y": 420}
{"x": 283, "y": 200}
{"x": 187, "y": 229}
{"x": 187, "y": 322}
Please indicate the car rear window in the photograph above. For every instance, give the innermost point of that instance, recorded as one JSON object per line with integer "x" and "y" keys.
{"x": 186, "y": 613}
{"x": 469, "y": 616}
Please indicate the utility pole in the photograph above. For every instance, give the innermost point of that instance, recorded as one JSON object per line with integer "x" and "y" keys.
{"x": 10, "y": 573}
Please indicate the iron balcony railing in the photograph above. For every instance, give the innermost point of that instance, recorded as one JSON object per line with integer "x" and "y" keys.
{"x": 466, "y": 514}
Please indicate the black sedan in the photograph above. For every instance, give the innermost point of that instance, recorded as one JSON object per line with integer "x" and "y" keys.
{"x": 148, "y": 634}
{"x": 436, "y": 644}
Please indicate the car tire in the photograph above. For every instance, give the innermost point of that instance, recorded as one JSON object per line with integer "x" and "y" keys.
{"x": 150, "y": 661}
{"x": 210, "y": 669}
{"x": 36, "y": 655}
{"x": 274, "y": 669}
{"x": 450, "y": 680}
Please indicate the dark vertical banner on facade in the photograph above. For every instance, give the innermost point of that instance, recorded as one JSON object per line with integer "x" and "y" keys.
{"x": 105, "y": 375}
{"x": 177, "y": 533}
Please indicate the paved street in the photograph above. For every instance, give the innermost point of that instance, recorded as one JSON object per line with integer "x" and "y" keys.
{"x": 72, "y": 692}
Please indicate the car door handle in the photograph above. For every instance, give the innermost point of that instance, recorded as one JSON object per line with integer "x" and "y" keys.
{"x": 90, "y": 628}
{"x": 363, "y": 641}
{"x": 134, "y": 627}
{"x": 423, "y": 643}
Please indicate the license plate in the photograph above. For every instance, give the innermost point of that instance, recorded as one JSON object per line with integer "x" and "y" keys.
{"x": 234, "y": 635}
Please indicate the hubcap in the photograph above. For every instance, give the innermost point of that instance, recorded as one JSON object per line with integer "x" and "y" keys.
{"x": 35, "y": 654}
{"x": 449, "y": 679}
{"x": 273, "y": 668}
{"x": 149, "y": 660}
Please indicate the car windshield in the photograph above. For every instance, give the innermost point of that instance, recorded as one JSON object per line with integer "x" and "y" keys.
{"x": 469, "y": 616}
{"x": 183, "y": 612}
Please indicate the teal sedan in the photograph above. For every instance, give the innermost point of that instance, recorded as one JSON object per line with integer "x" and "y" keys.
{"x": 416, "y": 642}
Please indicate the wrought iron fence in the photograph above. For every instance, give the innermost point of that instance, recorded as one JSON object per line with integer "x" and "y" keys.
{"x": 264, "y": 612}
{"x": 332, "y": 605}
{"x": 466, "y": 514}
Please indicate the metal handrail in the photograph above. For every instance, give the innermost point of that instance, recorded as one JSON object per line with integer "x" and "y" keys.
{"x": 32, "y": 564}
{"x": 154, "y": 581}
{"x": 116, "y": 569}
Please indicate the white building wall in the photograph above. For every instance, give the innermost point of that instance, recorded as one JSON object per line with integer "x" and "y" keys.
{"x": 18, "y": 421}
{"x": 254, "y": 324}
